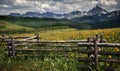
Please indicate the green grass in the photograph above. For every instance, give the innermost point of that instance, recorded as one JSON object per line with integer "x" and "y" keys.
{"x": 57, "y": 63}
{"x": 46, "y": 64}
{"x": 9, "y": 28}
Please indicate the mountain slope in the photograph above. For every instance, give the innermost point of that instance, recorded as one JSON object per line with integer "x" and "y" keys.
{"x": 74, "y": 14}
{"x": 115, "y": 15}
{"x": 7, "y": 27}
{"x": 97, "y": 10}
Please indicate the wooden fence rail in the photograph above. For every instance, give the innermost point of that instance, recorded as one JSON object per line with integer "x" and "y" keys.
{"x": 102, "y": 45}
{"x": 95, "y": 49}
{"x": 46, "y": 41}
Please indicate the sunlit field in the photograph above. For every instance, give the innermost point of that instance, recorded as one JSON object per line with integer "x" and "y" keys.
{"x": 111, "y": 35}
{"x": 57, "y": 63}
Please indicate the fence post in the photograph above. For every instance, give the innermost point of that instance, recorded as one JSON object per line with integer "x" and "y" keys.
{"x": 37, "y": 36}
{"x": 96, "y": 37}
{"x": 101, "y": 41}
{"x": 95, "y": 40}
{"x": 2, "y": 35}
{"x": 12, "y": 46}
{"x": 101, "y": 38}
{"x": 89, "y": 48}
{"x": 89, "y": 57}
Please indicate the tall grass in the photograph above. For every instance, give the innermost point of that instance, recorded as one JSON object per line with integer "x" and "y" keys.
{"x": 58, "y": 63}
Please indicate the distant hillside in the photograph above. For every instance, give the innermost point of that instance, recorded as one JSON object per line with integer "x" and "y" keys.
{"x": 7, "y": 27}
{"x": 37, "y": 23}
{"x": 27, "y": 24}
{"x": 106, "y": 24}
{"x": 42, "y": 24}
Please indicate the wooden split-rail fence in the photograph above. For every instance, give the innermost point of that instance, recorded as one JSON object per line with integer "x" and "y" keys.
{"x": 94, "y": 49}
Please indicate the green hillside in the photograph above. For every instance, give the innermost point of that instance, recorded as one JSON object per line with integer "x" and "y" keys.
{"x": 9, "y": 24}
{"x": 96, "y": 21}
{"x": 43, "y": 23}
{"x": 37, "y": 23}
{"x": 7, "y": 27}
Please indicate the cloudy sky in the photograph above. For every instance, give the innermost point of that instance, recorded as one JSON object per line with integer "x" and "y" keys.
{"x": 56, "y": 6}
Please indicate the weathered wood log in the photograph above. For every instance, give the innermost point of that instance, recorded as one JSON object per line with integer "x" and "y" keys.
{"x": 5, "y": 38}
{"x": 109, "y": 60}
{"x": 41, "y": 56}
{"x": 29, "y": 38}
{"x": 89, "y": 47}
{"x": 109, "y": 44}
{"x": 96, "y": 52}
{"x": 59, "y": 41}
{"x": 101, "y": 38}
{"x": 12, "y": 46}
{"x": 100, "y": 44}
{"x": 21, "y": 37}
{"x": 37, "y": 36}
{"x": 25, "y": 39}
{"x": 48, "y": 41}
{"x": 46, "y": 45}
{"x": 99, "y": 52}
{"x": 83, "y": 44}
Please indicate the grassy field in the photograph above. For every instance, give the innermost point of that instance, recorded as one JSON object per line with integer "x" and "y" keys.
{"x": 57, "y": 63}
{"x": 10, "y": 28}
{"x": 50, "y": 29}
{"x": 112, "y": 35}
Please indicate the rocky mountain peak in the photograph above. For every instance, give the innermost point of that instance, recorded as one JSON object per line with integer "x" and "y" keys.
{"x": 97, "y": 10}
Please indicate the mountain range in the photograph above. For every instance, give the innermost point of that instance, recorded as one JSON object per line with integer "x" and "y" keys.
{"x": 95, "y": 14}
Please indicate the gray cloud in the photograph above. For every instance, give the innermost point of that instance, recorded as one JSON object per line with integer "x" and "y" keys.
{"x": 110, "y": 4}
{"x": 57, "y": 6}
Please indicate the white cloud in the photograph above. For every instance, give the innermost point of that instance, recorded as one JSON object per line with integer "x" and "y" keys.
{"x": 108, "y": 2}
{"x": 45, "y": 6}
{"x": 57, "y": 6}
{"x": 23, "y": 3}
{"x": 5, "y": 6}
